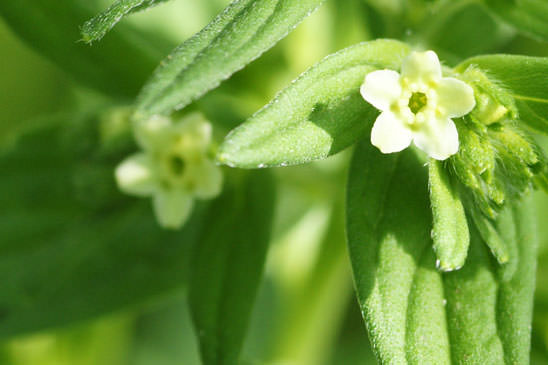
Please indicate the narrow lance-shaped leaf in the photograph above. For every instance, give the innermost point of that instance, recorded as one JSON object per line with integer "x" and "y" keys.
{"x": 490, "y": 235}
{"x": 388, "y": 227}
{"x": 517, "y": 280}
{"x": 526, "y": 77}
{"x": 450, "y": 228}
{"x": 527, "y": 16}
{"x": 227, "y": 266}
{"x": 96, "y": 28}
{"x": 319, "y": 114}
{"x": 480, "y": 314}
{"x": 52, "y": 28}
{"x": 241, "y": 33}
{"x": 489, "y": 306}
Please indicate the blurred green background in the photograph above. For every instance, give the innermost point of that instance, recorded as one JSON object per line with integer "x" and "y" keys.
{"x": 305, "y": 312}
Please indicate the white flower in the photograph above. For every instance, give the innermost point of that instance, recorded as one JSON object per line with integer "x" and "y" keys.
{"x": 417, "y": 106}
{"x": 173, "y": 168}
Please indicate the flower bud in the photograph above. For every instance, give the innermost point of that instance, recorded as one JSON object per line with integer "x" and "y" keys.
{"x": 493, "y": 102}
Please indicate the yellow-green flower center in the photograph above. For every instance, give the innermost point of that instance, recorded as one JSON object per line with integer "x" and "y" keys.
{"x": 176, "y": 164}
{"x": 417, "y": 101}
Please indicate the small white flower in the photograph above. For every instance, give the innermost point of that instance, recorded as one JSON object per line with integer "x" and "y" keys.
{"x": 417, "y": 106}
{"x": 173, "y": 168}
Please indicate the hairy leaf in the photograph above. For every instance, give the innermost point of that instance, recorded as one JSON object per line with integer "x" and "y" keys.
{"x": 527, "y": 16}
{"x": 415, "y": 314}
{"x": 450, "y": 228}
{"x": 489, "y": 307}
{"x": 490, "y": 236}
{"x": 118, "y": 66}
{"x": 241, "y": 33}
{"x": 388, "y": 226}
{"x": 227, "y": 266}
{"x": 526, "y": 77}
{"x": 96, "y": 28}
{"x": 517, "y": 280}
{"x": 319, "y": 114}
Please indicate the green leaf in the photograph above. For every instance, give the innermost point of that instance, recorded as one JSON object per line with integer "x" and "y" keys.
{"x": 527, "y": 16}
{"x": 319, "y": 114}
{"x": 227, "y": 265}
{"x": 118, "y": 66}
{"x": 96, "y": 28}
{"x": 399, "y": 289}
{"x": 241, "y": 33}
{"x": 73, "y": 247}
{"x": 415, "y": 314}
{"x": 455, "y": 23}
{"x": 450, "y": 228}
{"x": 526, "y": 78}
{"x": 517, "y": 280}
{"x": 490, "y": 236}
{"x": 489, "y": 310}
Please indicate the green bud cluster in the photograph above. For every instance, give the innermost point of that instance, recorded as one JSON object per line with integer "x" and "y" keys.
{"x": 496, "y": 161}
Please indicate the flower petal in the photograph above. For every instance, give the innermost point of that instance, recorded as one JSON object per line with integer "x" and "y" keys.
{"x": 194, "y": 134}
{"x": 455, "y": 97}
{"x": 381, "y": 88}
{"x": 389, "y": 134}
{"x": 135, "y": 175}
{"x": 439, "y": 139}
{"x": 172, "y": 208}
{"x": 421, "y": 66}
{"x": 196, "y": 124}
{"x": 209, "y": 179}
{"x": 152, "y": 133}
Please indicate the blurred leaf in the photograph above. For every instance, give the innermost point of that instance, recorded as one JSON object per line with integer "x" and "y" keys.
{"x": 319, "y": 114}
{"x": 527, "y": 16}
{"x": 164, "y": 335}
{"x": 350, "y": 23}
{"x": 35, "y": 86}
{"x": 118, "y": 66}
{"x": 241, "y": 33}
{"x": 71, "y": 245}
{"x": 415, "y": 314}
{"x": 352, "y": 346}
{"x": 104, "y": 341}
{"x": 539, "y": 351}
{"x": 526, "y": 77}
{"x": 451, "y": 27}
{"x": 96, "y": 28}
{"x": 227, "y": 265}
{"x": 392, "y": 7}
{"x": 318, "y": 289}
{"x": 450, "y": 229}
